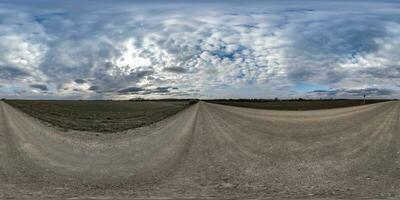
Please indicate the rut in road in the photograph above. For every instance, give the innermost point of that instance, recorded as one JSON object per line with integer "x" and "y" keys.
{"x": 209, "y": 150}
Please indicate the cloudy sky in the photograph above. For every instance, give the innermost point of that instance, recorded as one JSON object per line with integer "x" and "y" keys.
{"x": 91, "y": 49}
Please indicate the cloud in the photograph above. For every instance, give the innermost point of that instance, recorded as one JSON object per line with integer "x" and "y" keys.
{"x": 8, "y": 73}
{"x": 358, "y": 93}
{"x": 175, "y": 69}
{"x": 39, "y": 86}
{"x": 79, "y": 81}
{"x": 131, "y": 90}
{"x": 213, "y": 49}
{"x": 144, "y": 91}
{"x": 160, "y": 90}
{"x": 93, "y": 88}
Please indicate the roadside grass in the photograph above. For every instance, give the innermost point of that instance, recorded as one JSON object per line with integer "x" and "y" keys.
{"x": 294, "y": 104}
{"x": 99, "y": 116}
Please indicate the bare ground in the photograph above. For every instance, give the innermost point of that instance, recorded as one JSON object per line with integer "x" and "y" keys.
{"x": 98, "y": 115}
{"x": 209, "y": 151}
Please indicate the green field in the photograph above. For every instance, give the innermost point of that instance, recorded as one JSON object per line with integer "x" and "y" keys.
{"x": 294, "y": 104}
{"x": 99, "y": 116}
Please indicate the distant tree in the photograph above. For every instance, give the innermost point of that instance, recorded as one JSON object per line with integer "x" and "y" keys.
{"x": 193, "y": 101}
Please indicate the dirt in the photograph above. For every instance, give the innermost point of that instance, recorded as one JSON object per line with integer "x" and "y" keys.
{"x": 98, "y": 115}
{"x": 209, "y": 151}
{"x": 307, "y": 104}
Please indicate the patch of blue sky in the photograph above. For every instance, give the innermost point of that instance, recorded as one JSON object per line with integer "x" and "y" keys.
{"x": 9, "y": 89}
{"x": 308, "y": 87}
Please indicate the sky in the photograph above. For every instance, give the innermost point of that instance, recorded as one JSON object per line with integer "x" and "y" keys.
{"x": 102, "y": 49}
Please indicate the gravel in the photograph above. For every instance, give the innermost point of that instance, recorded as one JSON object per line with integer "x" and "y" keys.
{"x": 208, "y": 151}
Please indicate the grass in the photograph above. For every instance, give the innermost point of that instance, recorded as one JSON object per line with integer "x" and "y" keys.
{"x": 99, "y": 116}
{"x": 294, "y": 104}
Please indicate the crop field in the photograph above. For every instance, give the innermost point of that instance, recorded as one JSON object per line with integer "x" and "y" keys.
{"x": 294, "y": 104}
{"x": 99, "y": 116}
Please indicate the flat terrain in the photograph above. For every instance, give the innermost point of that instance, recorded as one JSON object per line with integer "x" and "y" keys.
{"x": 209, "y": 151}
{"x": 99, "y": 116}
{"x": 295, "y": 105}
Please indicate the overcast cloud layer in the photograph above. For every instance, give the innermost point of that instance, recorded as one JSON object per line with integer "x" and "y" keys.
{"x": 126, "y": 49}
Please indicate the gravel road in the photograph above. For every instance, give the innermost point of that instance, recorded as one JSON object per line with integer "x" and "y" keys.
{"x": 208, "y": 151}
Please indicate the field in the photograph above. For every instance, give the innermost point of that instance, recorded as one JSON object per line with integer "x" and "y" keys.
{"x": 294, "y": 104}
{"x": 99, "y": 116}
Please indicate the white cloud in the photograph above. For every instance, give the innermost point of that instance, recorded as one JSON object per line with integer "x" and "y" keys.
{"x": 207, "y": 49}
{"x": 23, "y": 45}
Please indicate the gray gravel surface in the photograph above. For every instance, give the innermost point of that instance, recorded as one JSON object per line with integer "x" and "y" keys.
{"x": 209, "y": 151}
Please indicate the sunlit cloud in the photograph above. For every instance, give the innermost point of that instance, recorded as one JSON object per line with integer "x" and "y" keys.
{"x": 207, "y": 50}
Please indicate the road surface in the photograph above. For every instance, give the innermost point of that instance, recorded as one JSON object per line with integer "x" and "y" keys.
{"x": 208, "y": 151}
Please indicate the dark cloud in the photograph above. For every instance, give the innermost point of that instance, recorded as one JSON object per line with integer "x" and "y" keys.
{"x": 112, "y": 83}
{"x": 375, "y": 92}
{"x": 11, "y": 73}
{"x": 138, "y": 90}
{"x": 94, "y": 88}
{"x": 139, "y": 74}
{"x": 159, "y": 90}
{"x": 131, "y": 90}
{"x": 164, "y": 90}
{"x": 41, "y": 87}
{"x": 80, "y": 81}
{"x": 175, "y": 69}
